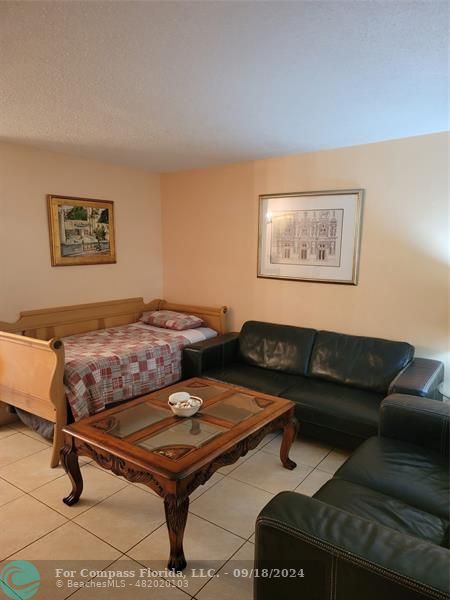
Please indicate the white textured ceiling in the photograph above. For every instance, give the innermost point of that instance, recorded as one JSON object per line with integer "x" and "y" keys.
{"x": 174, "y": 85}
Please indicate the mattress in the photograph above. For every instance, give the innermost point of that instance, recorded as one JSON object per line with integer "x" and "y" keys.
{"x": 116, "y": 364}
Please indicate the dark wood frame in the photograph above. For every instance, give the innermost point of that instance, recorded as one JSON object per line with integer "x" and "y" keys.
{"x": 175, "y": 478}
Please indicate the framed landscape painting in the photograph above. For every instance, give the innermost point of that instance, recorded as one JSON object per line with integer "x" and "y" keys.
{"x": 310, "y": 236}
{"x": 81, "y": 231}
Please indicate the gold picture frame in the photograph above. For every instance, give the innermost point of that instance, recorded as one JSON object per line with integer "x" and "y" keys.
{"x": 81, "y": 231}
{"x": 310, "y": 236}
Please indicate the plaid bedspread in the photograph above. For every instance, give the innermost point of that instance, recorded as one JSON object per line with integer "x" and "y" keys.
{"x": 117, "y": 364}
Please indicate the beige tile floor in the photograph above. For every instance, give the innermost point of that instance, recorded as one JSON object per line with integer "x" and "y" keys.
{"x": 119, "y": 525}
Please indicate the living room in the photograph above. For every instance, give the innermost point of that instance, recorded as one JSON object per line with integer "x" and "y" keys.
{"x": 164, "y": 138}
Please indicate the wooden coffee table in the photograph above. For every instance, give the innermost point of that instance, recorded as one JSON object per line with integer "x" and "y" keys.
{"x": 144, "y": 442}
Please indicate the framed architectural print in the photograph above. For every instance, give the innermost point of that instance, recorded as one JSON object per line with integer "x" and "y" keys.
{"x": 310, "y": 236}
{"x": 81, "y": 231}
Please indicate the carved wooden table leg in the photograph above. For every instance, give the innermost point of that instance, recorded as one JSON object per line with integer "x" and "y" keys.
{"x": 69, "y": 460}
{"x": 289, "y": 435}
{"x": 176, "y": 516}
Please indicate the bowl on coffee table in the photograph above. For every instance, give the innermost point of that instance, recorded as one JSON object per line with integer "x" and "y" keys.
{"x": 183, "y": 404}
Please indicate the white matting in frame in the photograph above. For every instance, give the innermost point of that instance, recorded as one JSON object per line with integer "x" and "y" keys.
{"x": 311, "y": 236}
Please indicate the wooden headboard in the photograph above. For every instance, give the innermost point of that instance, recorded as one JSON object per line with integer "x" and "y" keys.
{"x": 48, "y": 323}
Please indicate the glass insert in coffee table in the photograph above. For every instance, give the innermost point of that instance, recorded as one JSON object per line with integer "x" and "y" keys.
{"x": 130, "y": 420}
{"x": 188, "y": 433}
{"x": 237, "y": 407}
{"x": 145, "y": 442}
{"x": 151, "y": 425}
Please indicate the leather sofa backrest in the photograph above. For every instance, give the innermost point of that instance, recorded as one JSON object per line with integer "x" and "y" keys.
{"x": 277, "y": 347}
{"x": 362, "y": 362}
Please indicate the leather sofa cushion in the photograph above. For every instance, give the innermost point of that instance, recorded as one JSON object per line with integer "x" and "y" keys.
{"x": 334, "y": 406}
{"x": 417, "y": 476}
{"x": 276, "y": 347}
{"x": 261, "y": 380}
{"x": 364, "y": 362}
{"x": 386, "y": 510}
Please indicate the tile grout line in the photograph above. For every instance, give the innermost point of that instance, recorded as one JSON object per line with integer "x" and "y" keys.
{"x": 71, "y": 520}
{"x": 44, "y": 534}
{"x": 96, "y": 503}
{"x": 34, "y": 489}
{"x": 222, "y": 566}
{"x": 269, "y": 491}
{"x": 304, "y": 464}
{"x": 14, "y": 596}
{"x": 64, "y": 474}
{"x": 216, "y": 525}
{"x": 22, "y": 457}
{"x": 110, "y": 544}
{"x": 303, "y": 480}
{"x": 67, "y": 520}
{"x": 14, "y": 486}
{"x": 198, "y": 517}
{"x": 325, "y": 457}
{"x": 92, "y": 578}
{"x": 163, "y": 526}
{"x": 98, "y": 537}
{"x": 205, "y": 490}
{"x": 4, "y": 437}
{"x": 26, "y": 431}
{"x": 36, "y": 540}
{"x": 35, "y": 437}
{"x": 80, "y": 513}
{"x": 162, "y": 577}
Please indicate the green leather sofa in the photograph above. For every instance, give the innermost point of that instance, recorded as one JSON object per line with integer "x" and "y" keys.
{"x": 337, "y": 381}
{"x": 378, "y": 530}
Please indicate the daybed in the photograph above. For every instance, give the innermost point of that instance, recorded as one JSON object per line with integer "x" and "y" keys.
{"x": 379, "y": 529}
{"x": 337, "y": 381}
{"x": 33, "y": 376}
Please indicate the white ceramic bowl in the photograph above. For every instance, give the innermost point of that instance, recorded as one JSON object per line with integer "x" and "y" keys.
{"x": 183, "y": 404}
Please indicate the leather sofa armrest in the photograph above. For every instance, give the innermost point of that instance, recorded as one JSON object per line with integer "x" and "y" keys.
{"x": 213, "y": 353}
{"x": 416, "y": 420}
{"x": 420, "y": 378}
{"x": 340, "y": 553}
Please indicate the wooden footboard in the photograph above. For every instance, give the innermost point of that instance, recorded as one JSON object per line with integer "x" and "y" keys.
{"x": 32, "y": 355}
{"x": 31, "y": 378}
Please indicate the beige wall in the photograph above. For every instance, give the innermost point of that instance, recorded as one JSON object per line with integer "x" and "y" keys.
{"x": 27, "y": 279}
{"x": 210, "y": 241}
{"x": 210, "y": 238}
